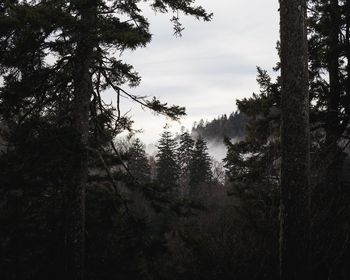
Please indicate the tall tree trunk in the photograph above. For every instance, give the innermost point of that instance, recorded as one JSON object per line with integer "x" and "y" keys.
{"x": 294, "y": 207}
{"x": 332, "y": 122}
{"x": 346, "y": 101}
{"x": 75, "y": 239}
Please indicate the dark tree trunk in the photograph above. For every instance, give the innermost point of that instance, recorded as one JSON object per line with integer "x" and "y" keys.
{"x": 332, "y": 122}
{"x": 294, "y": 212}
{"x": 346, "y": 119}
{"x": 75, "y": 238}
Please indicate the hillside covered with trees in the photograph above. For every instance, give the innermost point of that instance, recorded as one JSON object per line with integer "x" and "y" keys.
{"x": 233, "y": 126}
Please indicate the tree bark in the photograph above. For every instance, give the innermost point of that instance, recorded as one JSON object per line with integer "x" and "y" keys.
{"x": 75, "y": 233}
{"x": 347, "y": 55}
{"x": 332, "y": 122}
{"x": 294, "y": 205}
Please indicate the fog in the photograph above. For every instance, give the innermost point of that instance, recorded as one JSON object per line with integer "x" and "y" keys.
{"x": 216, "y": 149}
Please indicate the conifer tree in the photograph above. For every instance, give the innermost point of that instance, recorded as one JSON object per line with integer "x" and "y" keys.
{"x": 254, "y": 164}
{"x": 55, "y": 58}
{"x": 138, "y": 162}
{"x": 168, "y": 169}
{"x": 200, "y": 165}
{"x": 184, "y": 155}
{"x": 329, "y": 53}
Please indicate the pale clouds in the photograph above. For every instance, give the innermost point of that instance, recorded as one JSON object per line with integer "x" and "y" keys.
{"x": 210, "y": 66}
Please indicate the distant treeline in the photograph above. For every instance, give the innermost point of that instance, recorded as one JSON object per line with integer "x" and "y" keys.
{"x": 233, "y": 126}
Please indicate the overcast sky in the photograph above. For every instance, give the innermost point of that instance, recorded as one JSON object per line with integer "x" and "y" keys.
{"x": 209, "y": 67}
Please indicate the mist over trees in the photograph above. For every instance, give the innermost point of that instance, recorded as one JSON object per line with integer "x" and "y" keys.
{"x": 233, "y": 126}
{"x": 75, "y": 203}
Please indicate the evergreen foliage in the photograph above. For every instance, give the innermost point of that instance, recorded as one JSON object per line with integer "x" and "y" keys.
{"x": 184, "y": 155}
{"x": 56, "y": 59}
{"x": 168, "y": 169}
{"x": 137, "y": 228}
{"x": 233, "y": 126}
{"x": 138, "y": 162}
{"x": 200, "y": 165}
{"x": 253, "y": 164}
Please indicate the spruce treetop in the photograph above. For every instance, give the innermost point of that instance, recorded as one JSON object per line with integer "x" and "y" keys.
{"x": 167, "y": 165}
{"x": 200, "y": 166}
{"x": 138, "y": 162}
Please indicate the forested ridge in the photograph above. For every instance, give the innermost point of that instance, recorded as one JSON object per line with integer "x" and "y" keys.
{"x": 77, "y": 203}
{"x": 217, "y": 129}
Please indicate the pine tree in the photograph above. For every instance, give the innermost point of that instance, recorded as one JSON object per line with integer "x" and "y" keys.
{"x": 138, "y": 162}
{"x": 184, "y": 155}
{"x": 200, "y": 165}
{"x": 168, "y": 169}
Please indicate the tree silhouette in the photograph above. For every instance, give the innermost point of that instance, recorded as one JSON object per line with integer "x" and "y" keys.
{"x": 168, "y": 169}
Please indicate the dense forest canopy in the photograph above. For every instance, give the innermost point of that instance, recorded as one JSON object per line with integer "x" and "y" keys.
{"x": 77, "y": 204}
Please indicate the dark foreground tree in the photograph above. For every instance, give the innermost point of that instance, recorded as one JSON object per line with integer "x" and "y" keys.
{"x": 254, "y": 164}
{"x": 295, "y": 169}
{"x": 56, "y": 58}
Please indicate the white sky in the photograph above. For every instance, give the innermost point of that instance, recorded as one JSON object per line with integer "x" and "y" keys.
{"x": 209, "y": 67}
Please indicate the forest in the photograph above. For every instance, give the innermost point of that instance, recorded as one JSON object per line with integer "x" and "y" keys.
{"x": 79, "y": 201}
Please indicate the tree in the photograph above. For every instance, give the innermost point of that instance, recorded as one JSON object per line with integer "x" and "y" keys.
{"x": 257, "y": 158}
{"x": 56, "y": 58}
{"x": 184, "y": 155}
{"x": 295, "y": 168}
{"x": 253, "y": 177}
{"x": 329, "y": 33}
{"x": 138, "y": 162}
{"x": 200, "y": 165}
{"x": 168, "y": 169}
